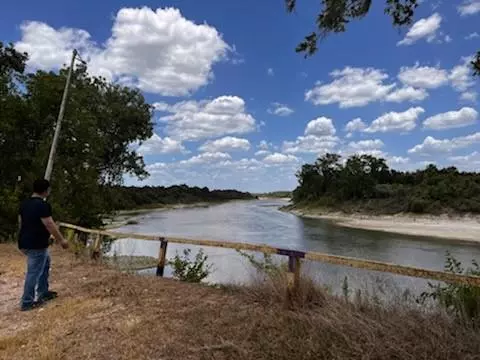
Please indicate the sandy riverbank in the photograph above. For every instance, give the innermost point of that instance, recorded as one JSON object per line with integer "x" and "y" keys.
{"x": 465, "y": 228}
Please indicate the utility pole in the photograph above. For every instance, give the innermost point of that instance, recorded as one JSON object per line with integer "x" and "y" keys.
{"x": 53, "y": 149}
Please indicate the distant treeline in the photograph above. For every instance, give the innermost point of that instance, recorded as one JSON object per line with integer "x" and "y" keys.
{"x": 366, "y": 183}
{"x": 125, "y": 198}
{"x": 276, "y": 194}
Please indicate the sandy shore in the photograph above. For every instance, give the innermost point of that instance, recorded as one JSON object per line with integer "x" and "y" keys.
{"x": 458, "y": 228}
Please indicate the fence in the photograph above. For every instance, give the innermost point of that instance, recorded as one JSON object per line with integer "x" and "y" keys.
{"x": 294, "y": 257}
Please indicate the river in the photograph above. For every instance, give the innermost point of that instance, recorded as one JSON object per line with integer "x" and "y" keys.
{"x": 261, "y": 222}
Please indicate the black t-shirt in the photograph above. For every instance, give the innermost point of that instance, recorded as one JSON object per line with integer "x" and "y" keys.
{"x": 33, "y": 233}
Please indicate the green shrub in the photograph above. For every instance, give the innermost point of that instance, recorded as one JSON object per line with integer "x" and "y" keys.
{"x": 188, "y": 270}
{"x": 417, "y": 206}
{"x": 463, "y": 301}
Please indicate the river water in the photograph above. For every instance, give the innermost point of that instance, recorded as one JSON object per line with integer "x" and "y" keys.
{"x": 261, "y": 222}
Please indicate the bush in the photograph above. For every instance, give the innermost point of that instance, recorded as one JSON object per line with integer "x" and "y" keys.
{"x": 188, "y": 270}
{"x": 417, "y": 206}
{"x": 463, "y": 301}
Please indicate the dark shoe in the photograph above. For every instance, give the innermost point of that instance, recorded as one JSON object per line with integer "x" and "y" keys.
{"x": 50, "y": 295}
{"x": 35, "y": 305}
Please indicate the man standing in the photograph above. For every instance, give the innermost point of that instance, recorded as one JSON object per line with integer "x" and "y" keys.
{"x": 36, "y": 226}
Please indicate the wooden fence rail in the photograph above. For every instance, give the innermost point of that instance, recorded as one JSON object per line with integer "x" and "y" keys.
{"x": 293, "y": 255}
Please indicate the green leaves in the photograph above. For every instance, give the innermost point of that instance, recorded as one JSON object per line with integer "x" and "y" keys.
{"x": 101, "y": 121}
{"x": 186, "y": 269}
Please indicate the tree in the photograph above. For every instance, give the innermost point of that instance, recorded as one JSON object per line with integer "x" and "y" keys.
{"x": 335, "y": 15}
{"x": 101, "y": 122}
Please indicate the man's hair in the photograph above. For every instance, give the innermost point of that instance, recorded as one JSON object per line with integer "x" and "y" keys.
{"x": 40, "y": 186}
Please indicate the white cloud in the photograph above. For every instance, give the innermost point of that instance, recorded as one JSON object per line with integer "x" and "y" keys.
{"x": 407, "y": 93}
{"x": 469, "y": 7}
{"x": 364, "y": 147}
{"x": 280, "y": 109}
{"x": 469, "y": 96}
{"x": 471, "y": 36}
{"x": 448, "y": 38}
{"x": 355, "y": 125}
{"x": 396, "y": 121}
{"x": 196, "y": 120}
{"x": 434, "y": 146}
{"x": 423, "y": 28}
{"x": 225, "y": 144}
{"x": 278, "y": 158}
{"x": 470, "y": 162}
{"x": 397, "y": 160}
{"x": 366, "y": 144}
{"x": 452, "y": 119}
{"x": 423, "y": 76}
{"x": 310, "y": 144}
{"x": 319, "y": 127}
{"x": 159, "y": 51}
{"x": 351, "y": 87}
{"x": 270, "y": 72}
{"x": 206, "y": 158}
{"x": 461, "y": 75}
{"x": 264, "y": 145}
{"x": 262, "y": 153}
{"x": 158, "y": 145}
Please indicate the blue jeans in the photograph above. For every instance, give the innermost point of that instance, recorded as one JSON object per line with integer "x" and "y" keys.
{"x": 38, "y": 268}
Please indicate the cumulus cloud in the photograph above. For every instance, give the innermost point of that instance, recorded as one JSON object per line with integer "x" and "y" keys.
{"x": 452, "y": 119}
{"x": 407, "y": 93}
{"x": 469, "y": 7}
{"x": 321, "y": 126}
{"x": 470, "y": 162}
{"x": 431, "y": 146}
{"x": 225, "y": 144}
{"x": 469, "y": 96}
{"x": 425, "y": 28}
{"x": 157, "y": 145}
{"x": 423, "y": 76}
{"x": 355, "y": 125}
{"x": 280, "y": 109}
{"x": 351, "y": 87}
{"x": 196, "y": 120}
{"x": 310, "y": 144}
{"x": 461, "y": 75}
{"x": 205, "y": 158}
{"x": 262, "y": 153}
{"x": 278, "y": 158}
{"x": 366, "y": 144}
{"x": 159, "y": 51}
{"x": 396, "y": 121}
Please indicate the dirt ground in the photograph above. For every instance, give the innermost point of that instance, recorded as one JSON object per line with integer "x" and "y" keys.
{"x": 104, "y": 314}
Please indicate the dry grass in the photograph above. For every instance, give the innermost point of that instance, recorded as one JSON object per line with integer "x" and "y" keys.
{"x": 103, "y": 314}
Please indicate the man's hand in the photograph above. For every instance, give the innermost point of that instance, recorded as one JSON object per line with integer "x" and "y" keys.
{"x": 64, "y": 243}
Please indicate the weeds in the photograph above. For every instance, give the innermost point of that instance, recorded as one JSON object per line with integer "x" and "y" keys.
{"x": 193, "y": 271}
{"x": 463, "y": 301}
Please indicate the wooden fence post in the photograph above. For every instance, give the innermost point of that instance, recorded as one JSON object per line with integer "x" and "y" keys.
{"x": 162, "y": 255}
{"x": 293, "y": 274}
{"x": 97, "y": 243}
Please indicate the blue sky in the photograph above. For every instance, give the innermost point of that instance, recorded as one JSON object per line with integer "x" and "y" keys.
{"x": 238, "y": 108}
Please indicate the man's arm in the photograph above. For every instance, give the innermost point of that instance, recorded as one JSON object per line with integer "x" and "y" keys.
{"x": 53, "y": 230}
